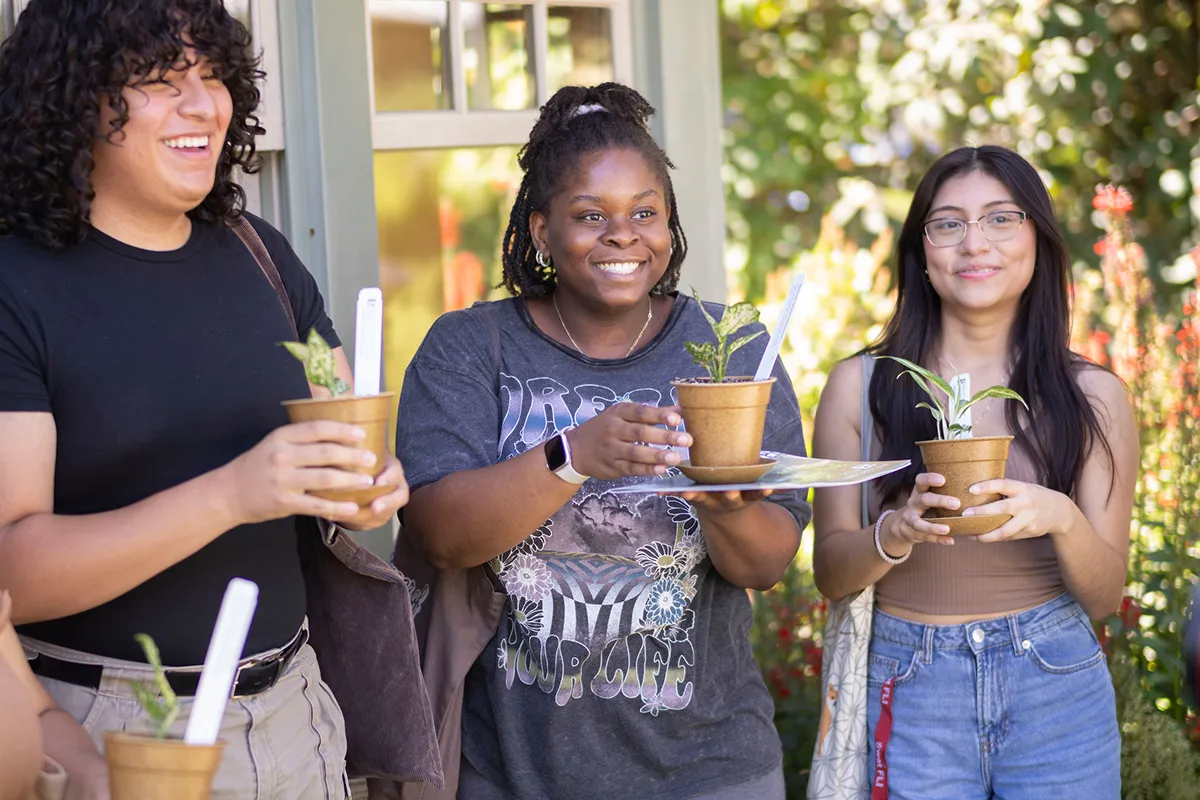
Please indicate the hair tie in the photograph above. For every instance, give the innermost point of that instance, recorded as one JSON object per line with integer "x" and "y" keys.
{"x": 587, "y": 109}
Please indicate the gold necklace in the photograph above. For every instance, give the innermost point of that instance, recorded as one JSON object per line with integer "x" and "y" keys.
{"x": 646, "y": 324}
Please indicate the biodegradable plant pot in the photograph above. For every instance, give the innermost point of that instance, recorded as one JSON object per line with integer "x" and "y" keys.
{"x": 964, "y": 463}
{"x": 371, "y": 413}
{"x": 145, "y": 768}
{"x": 724, "y": 419}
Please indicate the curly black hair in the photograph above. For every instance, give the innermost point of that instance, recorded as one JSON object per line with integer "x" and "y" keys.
{"x": 557, "y": 145}
{"x": 65, "y": 56}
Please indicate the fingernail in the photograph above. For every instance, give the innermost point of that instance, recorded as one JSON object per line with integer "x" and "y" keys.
{"x": 954, "y": 503}
{"x": 368, "y": 458}
{"x": 659, "y": 469}
{"x": 970, "y": 512}
{"x": 366, "y": 480}
{"x": 974, "y": 490}
{"x": 673, "y": 419}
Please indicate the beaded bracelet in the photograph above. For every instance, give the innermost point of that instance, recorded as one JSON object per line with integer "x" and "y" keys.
{"x": 879, "y": 547}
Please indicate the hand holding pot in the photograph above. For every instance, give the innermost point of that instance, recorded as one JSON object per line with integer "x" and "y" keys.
{"x": 1035, "y": 509}
{"x": 616, "y": 443}
{"x": 381, "y": 509}
{"x": 900, "y": 531}
{"x": 270, "y": 481}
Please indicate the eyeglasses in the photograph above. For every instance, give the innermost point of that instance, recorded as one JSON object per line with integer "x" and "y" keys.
{"x": 995, "y": 226}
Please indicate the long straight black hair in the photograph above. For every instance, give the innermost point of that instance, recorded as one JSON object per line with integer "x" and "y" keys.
{"x": 1061, "y": 426}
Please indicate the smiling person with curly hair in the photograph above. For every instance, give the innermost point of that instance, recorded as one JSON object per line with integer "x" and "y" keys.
{"x": 146, "y": 458}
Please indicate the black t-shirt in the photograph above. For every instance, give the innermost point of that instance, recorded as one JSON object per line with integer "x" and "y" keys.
{"x": 159, "y": 367}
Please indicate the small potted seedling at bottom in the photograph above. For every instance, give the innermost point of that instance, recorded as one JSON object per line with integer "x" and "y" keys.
{"x": 156, "y": 765}
{"x": 724, "y": 415}
{"x": 962, "y": 459}
{"x": 369, "y": 412}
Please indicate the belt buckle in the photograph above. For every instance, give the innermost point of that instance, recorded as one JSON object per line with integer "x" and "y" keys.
{"x": 281, "y": 659}
{"x": 237, "y": 677}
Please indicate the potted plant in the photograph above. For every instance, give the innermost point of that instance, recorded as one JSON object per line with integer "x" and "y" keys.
{"x": 960, "y": 458}
{"x": 369, "y": 412}
{"x": 724, "y": 415}
{"x": 153, "y": 766}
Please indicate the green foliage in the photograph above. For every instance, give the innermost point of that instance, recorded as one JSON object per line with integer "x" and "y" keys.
{"x": 157, "y": 699}
{"x": 715, "y": 357}
{"x": 1157, "y": 763}
{"x": 949, "y": 415}
{"x": 839, "y": 106}
{"x": 319, "y": 365}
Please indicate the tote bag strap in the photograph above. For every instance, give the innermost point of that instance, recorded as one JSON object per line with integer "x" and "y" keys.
{"x": 254, "y": 243}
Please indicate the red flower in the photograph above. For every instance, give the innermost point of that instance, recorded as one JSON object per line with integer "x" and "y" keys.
{"x": 1112, "y": 198}
{"x": 1130, "y": 612}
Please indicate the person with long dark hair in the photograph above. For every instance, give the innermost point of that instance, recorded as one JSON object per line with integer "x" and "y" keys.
{"x": 614, "y": 660}
{"x": 146, "y": 458}
{"x": 996, "y": 684}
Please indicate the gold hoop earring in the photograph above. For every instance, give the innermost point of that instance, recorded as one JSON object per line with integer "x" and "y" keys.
{"x": 543, "y": 261}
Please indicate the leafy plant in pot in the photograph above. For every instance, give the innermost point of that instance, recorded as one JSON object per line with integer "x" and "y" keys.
{"x": 956, "y": 455}
{"x": 724, "y": 415}
{"x": 369, "y": 412}
{"x": 154, "y": 766}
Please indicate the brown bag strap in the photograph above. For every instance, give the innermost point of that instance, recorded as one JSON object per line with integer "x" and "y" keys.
{"x": 245, "y": 231}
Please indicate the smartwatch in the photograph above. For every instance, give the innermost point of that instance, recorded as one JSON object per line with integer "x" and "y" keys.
{"x": 558, "y": 459}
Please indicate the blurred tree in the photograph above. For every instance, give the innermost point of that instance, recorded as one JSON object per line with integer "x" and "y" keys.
{"x": 842, "y": 105}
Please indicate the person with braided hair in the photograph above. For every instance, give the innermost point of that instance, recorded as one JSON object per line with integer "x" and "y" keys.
{"x": 618, "y": 663}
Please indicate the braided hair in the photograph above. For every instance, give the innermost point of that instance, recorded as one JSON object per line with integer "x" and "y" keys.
{"x": 577, "y": 122}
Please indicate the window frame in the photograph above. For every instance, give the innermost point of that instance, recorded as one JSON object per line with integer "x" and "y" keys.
{"x": 264, "y": 28}
{"x": 460, "y": 126}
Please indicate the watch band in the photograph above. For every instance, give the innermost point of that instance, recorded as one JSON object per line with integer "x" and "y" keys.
{"x": 566, "y": 469}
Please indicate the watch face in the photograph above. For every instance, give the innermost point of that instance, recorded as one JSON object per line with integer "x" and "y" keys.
{"x": 556, "y": 454}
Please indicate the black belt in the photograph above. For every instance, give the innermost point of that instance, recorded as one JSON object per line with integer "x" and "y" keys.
{"x": 254, "y": 675}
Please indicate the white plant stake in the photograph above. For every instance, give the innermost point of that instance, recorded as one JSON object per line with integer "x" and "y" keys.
{"x": 221, "y": 661}
{"x": 961, "y": 384}
{"x": 368, "y": 342}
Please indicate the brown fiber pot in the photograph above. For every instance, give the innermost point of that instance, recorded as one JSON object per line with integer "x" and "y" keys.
{"x": 725, "y": 419}
{"x": 371, "y": 413}
{"x": 964, "y": 463}
{"x": 144, "y": 768}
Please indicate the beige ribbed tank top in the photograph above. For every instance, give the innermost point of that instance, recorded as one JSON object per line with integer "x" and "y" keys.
{"x": 968, "y": 578}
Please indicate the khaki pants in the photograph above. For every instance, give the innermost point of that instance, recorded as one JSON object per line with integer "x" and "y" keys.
{"x": 288, "y": 743}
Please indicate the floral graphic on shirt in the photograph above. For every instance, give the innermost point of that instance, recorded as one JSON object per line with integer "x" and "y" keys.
{"x": 528, "y": 615}
{"x": 527, "y": 577}
{"x": 659, "y": 560}
{"x": 665, "y": 603}
{"x": 599, "y": 595}
{"x": 681, "y": 512}
{"x": 653, "y": 706}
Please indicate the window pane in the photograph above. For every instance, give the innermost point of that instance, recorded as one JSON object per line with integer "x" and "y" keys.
{"x": 580, "y": 46}
{"x": 442, "y": 215}
{"x": 411, "y": 54}
{"x": 240, "y": 10}
{"x": 496, "y": 55}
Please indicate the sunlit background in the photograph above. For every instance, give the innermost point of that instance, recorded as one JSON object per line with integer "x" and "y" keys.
{"x": 833, "y": 110}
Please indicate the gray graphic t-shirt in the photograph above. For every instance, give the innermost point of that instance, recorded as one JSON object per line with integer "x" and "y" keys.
{"x": 622, "y": 667}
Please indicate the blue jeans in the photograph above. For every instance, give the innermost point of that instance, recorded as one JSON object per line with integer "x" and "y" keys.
{"x": 1015, "y": 708}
